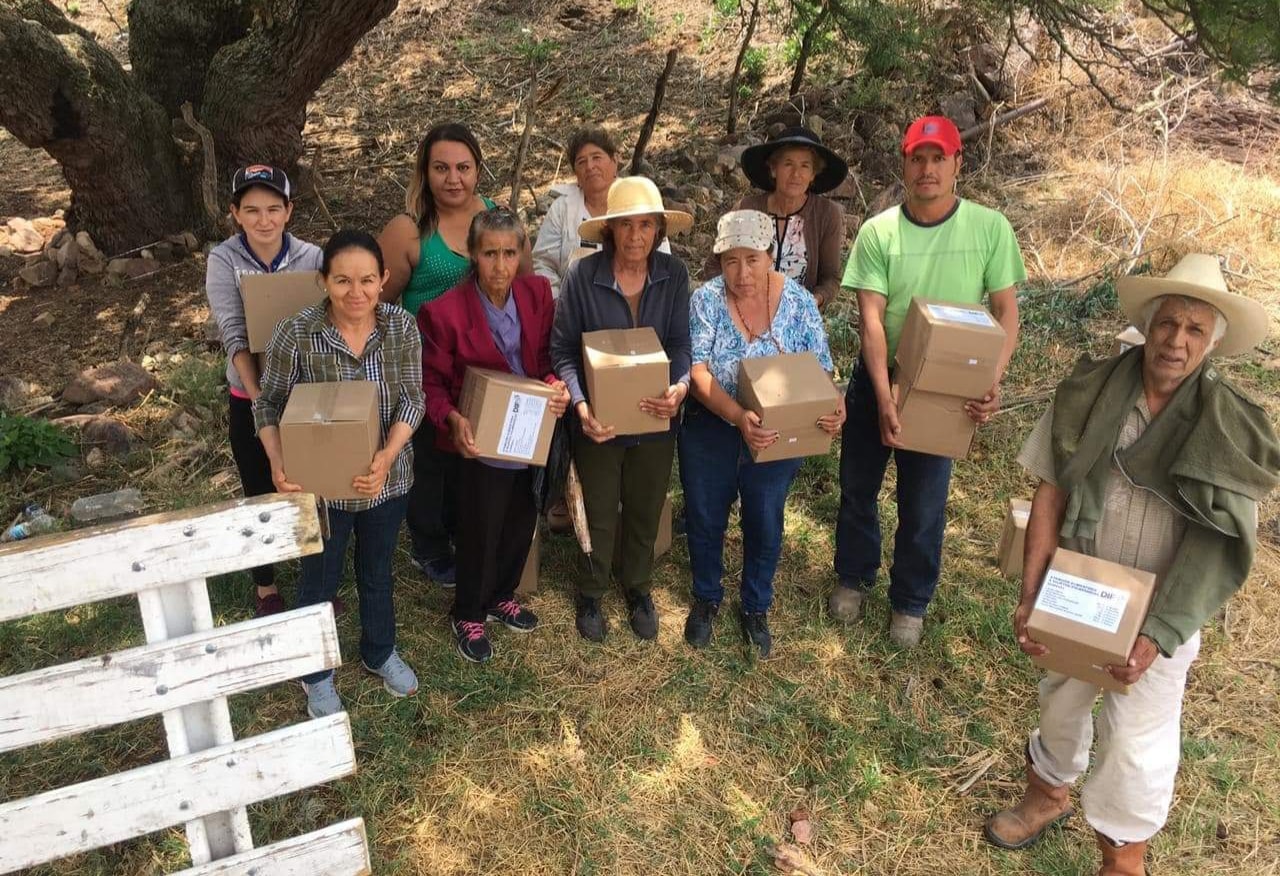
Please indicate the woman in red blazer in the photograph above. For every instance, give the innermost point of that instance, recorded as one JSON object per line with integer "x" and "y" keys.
{"x": 497, "y": 320}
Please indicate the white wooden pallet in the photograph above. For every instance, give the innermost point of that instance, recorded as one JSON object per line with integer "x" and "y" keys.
{"x": 185, "y": 673}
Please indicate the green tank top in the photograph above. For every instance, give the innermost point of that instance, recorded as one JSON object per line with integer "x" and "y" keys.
{"x": 439, "y": 269}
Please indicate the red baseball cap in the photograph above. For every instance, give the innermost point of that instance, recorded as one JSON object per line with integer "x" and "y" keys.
{"x": 939, "y": 131}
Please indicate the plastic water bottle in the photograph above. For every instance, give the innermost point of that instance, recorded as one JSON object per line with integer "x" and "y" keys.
{"x": 106, "y": 506}
{"x": 34, "y": 520}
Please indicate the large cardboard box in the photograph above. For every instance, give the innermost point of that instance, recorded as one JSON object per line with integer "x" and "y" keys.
{"x": 328, "y": 434}
{"x": 932, "y": 422}
{"x": 789, "y": 392}
{"x": 1088, "y": 614}
{"x": 529, "y": 576}
{"x": 510, "y": 415}
{"x": 622, "y": 367}
{"x": 269, "y": 298}
{"x": 662, "y": 543}
{"x": 1013, "y": 538}
{"x": 1127, "y": 339}
{"x": 952, "y": 349}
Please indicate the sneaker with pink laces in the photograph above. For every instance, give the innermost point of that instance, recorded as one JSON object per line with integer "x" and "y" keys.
{"x": 513, "y": 616}
{"x": 473, "y": 644}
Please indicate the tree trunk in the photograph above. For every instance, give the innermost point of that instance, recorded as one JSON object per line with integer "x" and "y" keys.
{"x": 62, "y": 92}
{"x": 265, "y": 80}
{"x": 811, "y": 33}
{"x": 732, "y": 125}
{"x": 172, "y": 43}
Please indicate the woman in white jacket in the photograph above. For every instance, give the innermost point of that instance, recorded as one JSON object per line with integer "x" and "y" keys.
{"x": 594, "y": 158}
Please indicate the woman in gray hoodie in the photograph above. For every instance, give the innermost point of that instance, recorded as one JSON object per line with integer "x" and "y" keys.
{"x": 261, "y": 205}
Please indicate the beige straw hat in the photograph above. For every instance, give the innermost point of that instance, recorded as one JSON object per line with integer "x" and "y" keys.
{"x": 1199, "y": 276}
{"x": 634, "y": 196}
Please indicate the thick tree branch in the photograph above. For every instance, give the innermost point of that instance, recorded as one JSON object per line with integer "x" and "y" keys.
{"x": 173, "y": 42}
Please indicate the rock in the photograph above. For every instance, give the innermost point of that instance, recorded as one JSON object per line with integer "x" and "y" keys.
{"x": 165, "y": 251}
{"x": 146, "y": 254}
{"x": 67, "y": 277}
{"x": 131, "y": 268}
{"x": 95, "y": 458}
{"x": 91, "y": 263}
{"x": 776, "y": 129}
{"x": 542, "y": 203}
{"x": 98, "y": 407}
{"x": 190, "y": 242}
{"x": 185, "y": 423}
{"x": 682, "y": 207}
{"x": 1272, "y": 364}
{"x": 847, "y": 190}
{"x": 120, "y": 382}
{"x": 23, "y": 236}
{"x": 815, "y": 123}
{"x": 6, "y": 252}
{"x": 68, "y": 253}
{"x": 802, "y": 831}
{"x": 117, "y": 267}
{"x": 685, "y": 162}
{"x": 728, "y": 159}
{"x": 961, "y": 108}
{"x": 14, "y": 392}
{"x": 39, "y": 274}
{"x": 45, "y": 319}
{"x": 97, "y": 431}
{"x": 86, "y": 244}
{"x": 59, "y": 238}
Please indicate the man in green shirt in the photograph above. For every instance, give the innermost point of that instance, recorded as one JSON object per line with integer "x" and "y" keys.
{"x": 938, "y": 246}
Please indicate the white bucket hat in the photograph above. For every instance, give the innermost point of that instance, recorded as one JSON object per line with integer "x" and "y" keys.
{"x": 634, "y": 196}
{"x": 1199, "y": 276}
{"x": 749, "y": 229}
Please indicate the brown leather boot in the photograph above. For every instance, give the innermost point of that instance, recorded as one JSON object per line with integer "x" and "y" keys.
{"x": 1042, "y": 806}
{"x": 1127, "y": 860}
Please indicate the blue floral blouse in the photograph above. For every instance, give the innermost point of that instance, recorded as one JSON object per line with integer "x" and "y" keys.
{"x": 796, "y": 328}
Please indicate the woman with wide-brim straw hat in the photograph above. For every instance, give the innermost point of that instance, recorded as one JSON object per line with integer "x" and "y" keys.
{"x": 628, "y": 284}
{"x": 1244, "y": 322}
{"x": 793, "y": 171}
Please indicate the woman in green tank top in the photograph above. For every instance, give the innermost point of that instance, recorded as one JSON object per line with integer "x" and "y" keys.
{"x": 425, "y": 250}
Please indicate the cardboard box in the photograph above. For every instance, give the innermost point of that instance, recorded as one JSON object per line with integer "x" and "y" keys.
{"x": 329, "y": 433}
{"x": 1088, "y": 614}
{"x": 529, "y": 577}
{"x": 932, "y": 422}
{"x": 662, "y": 543}
{"x": 1126, "y": 340}
{"x": 622, "y": 367}
{"x": 1013, "y": 538}
{"x": 510, "y": 415}
{"x": 269, "y": 298}
{"x": 789, "y": 392}
{"x": 952, "y": 349}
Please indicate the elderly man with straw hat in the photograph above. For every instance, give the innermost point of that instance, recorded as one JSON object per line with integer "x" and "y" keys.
{"x": 630, "y": 283}
{"x": 1151, "y": 459}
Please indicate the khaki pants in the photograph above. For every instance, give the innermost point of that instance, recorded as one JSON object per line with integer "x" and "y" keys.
{"x": 1127, "y": 796}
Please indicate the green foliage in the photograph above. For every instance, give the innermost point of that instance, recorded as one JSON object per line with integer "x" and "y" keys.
{"x": 26, "y": 442}
{"x": 538, "y": 52}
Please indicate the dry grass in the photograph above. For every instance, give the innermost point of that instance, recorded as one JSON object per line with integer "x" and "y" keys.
{"x": 628, "y": 758}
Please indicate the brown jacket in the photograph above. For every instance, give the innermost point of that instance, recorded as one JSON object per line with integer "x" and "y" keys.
{"x": 823, "y": 239}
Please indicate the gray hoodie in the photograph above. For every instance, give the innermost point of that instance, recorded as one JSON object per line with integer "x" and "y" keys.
{"x": 228, "y": 262}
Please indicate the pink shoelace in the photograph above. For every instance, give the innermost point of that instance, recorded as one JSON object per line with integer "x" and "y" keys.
{"x": 471, "y": 630}
{"x": 509, "y": 607}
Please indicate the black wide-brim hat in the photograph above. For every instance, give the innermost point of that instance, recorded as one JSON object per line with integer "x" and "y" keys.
{"x": 755, "y": 161}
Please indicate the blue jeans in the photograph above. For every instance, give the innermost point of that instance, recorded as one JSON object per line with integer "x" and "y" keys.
{"x": 376, "y": 531}
{"x": 715, "y": 468}
{"x": 923, "y": 483}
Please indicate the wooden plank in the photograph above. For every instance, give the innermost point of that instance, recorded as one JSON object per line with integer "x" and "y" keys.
{"x": 167, "y": 613}
{"x": 338, "y": 850}
{"x": 119, "y": 559}
{"x": 103, "y": 691}
{"x": 92, "y": 814}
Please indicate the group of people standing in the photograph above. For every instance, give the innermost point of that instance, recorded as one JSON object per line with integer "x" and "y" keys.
{"x": 454, "y": 282}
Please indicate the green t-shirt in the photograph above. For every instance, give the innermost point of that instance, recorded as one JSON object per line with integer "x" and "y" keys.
{"x": 962, "y": 258}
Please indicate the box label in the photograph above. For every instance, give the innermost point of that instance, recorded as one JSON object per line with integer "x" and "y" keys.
{"x": 1079, "y": 599}
{"x": 521, "y": 425}
{"x": 960, "y": 314}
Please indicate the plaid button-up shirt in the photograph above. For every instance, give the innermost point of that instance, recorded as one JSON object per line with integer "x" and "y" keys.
{"x": 307, "y": 348}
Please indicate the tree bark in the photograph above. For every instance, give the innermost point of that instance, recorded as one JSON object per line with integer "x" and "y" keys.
{"x": 265, "y": 79}
{"x": 806, "y": 47}
{"x": 62, "y": 92}
{"x": 173, "y": 42}
{"x": 732, "y": 125}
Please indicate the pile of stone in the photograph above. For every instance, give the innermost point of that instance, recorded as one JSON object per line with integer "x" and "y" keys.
{"x": 65, "y": 259}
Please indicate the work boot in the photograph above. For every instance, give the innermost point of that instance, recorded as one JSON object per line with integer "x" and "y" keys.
{"x": 699, "y": 623}
{"x": 845, "y": 602}
{"x": 1042, "y": 806}
{"x": 588, "y": 619}
{"x": 755, "y": 629}
{"x": 905, "y": 630}
{"x": 1125, "y": 860}
{"x": 642, "y": 614}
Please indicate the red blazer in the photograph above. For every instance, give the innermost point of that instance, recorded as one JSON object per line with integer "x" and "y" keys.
{"x": 456, "y": 334}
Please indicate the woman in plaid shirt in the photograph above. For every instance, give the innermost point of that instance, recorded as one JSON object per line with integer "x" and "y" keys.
{"x": 351, "y": 336}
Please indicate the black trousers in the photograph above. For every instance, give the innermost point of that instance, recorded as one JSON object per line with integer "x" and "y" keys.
{"x": 433, "y": 498}
{"x": 496, "y": 517}
{"x": 253, "y": 465}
